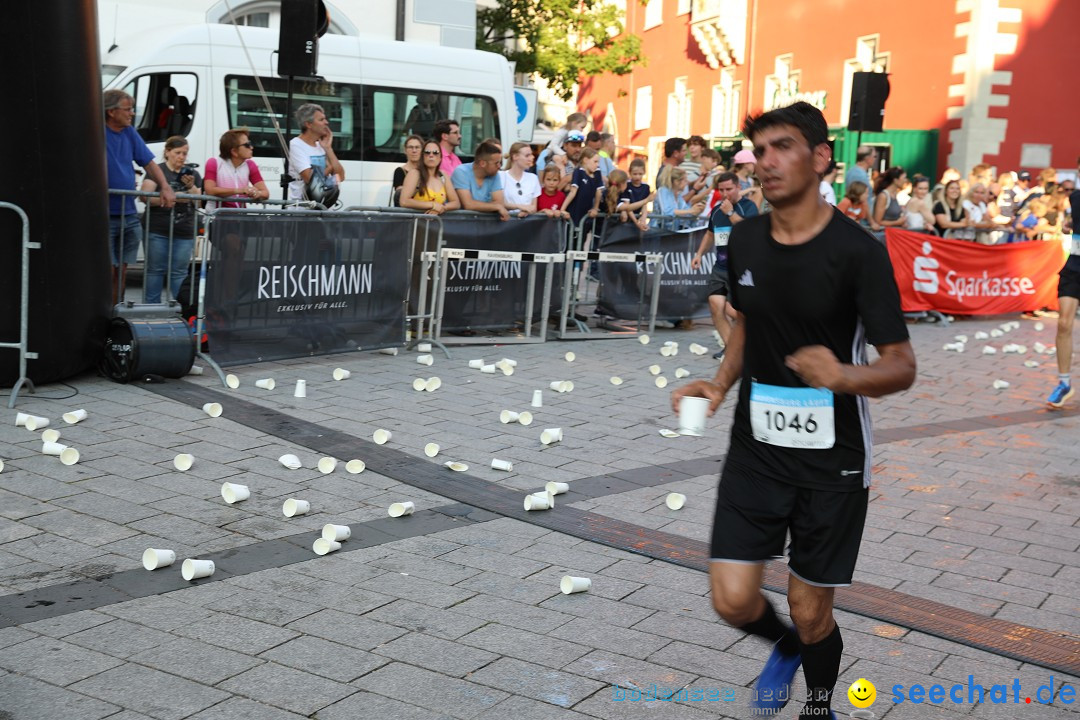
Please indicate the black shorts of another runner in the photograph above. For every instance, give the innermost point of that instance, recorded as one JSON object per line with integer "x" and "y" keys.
{"x": 754, "y": 514}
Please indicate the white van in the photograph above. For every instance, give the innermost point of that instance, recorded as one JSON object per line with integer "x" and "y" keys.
{"x": 197, "y": 82}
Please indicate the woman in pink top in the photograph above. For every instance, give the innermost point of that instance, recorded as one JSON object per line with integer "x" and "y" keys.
{"x": 234, "y": 173}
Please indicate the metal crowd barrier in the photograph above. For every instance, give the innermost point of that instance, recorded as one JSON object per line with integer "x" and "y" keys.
{"x": 582, "y": 330}
{"x": 24, "y": 307}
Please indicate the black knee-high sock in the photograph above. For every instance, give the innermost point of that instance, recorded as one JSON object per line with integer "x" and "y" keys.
{"x": 773, "y": 629}
{"x": 821, "y": 666}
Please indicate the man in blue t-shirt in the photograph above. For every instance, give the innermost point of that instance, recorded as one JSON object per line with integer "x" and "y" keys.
{"x": 478, "y": 184}
{"x": 730, "y": 210}
{"x": 123, "y": 146}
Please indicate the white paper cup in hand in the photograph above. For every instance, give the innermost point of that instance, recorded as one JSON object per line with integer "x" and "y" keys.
{"x": 336, "y": 533}
{"x": 69, "y": 456}
{"x": 570, "y": 584}
{"x": 341, "y": 374}
{"x": 692, "y": 413}
{"x": 232, "y": 381}
{"x": 551, "y": 435}
{"x": 322, "y": 546}
{"x": 355, "y": 467}
{"x": 74, "y": 416}
{"x": 50, "y": 435}
{"x": 557, "y": 488}
{"x": 425, "y": 359}
{"x": 212, "y": 409}
{"x": 381, "y": 437}
{"x": 476, "y": 364}
{"x": 35, "y": 422}
{"x": 498, "y": 464}
{"x": 399, "y": 509}
{"x": 293, "y": 507}
{"x": 194, "y": 569}
{"x": 431, "y": 449}
{"x": 290, "y": 461}
{"x": 327, "y": 465}
{"x": 183, "y": 461}
{"x": 52, "y": 448}
{"x": 538, "y": 398}
{"x": 234, "y": 492}
{"x": 301, "y": 389}
{"x": 154, "y": 558}
{"x": 675, "y": 501}
{"x": 538, "y": 501}
{"x": 508, "y": 416}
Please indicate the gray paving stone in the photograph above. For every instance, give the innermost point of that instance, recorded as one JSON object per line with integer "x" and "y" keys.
{"x": 603, "y": 585}
{"x": 623, "y": 614}
{"x": 514, "y": 614}
{"x": 620, "y": 640}
{"x": 442, "y": 656}
{"x": 64, "y": 625}
{"x": 447, "y": 624}
{"x": 536, "y": 682}
{"x": 622, "y": 670}
{"x": 525, "y": 591}
{"x": 370, "y": 705}
{"x": 11, "y": 530}
{"x": 324, "y": 658}
{"x": 160, "y": 612}
{"x": 521, "y": 708}
{"x": 603, "y": 705}
{"x": 237, "y": 708}
{"x": 287, "y": 688}
{"x": 194, "y": 660}
{"x": 119, "y": 638}
{"x": 28, "y": 699}
{"x": 416, "y": 686}
{"x": 443, "y": 570}
{"x": 14, "y": 635}
{"x": 54, "y": 661}
{"x": 356, "y": 632}
{"x": 236, "y": 633}
{"x": 169, "y": 697}
{"x": 493, "y": 561}
{"x": 264, "y": 607}
{"x": 524, "y": 645}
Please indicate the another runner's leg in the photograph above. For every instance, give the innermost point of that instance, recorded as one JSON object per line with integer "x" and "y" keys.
{"x": 718, "y": 310}
{"x": 1066, "y": 317}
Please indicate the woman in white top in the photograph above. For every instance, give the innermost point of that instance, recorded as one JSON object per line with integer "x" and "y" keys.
{"x": 919, "y": 213}
{"x": 520, "y": 187}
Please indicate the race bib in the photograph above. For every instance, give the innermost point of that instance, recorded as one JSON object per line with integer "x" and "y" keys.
{"x": 721, "y": 236}
{"x": 792, "y": 417}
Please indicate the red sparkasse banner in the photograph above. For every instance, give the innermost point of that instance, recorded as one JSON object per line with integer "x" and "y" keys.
{"x": 963, "y": 278}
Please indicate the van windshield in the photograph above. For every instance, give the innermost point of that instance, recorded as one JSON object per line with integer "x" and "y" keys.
{"x": 110, "y": 73}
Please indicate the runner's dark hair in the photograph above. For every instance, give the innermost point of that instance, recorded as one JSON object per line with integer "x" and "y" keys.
{"x": 802, "y": 115}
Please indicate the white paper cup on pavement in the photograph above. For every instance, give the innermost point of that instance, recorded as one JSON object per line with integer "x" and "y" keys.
{"x": 661, "y": 382}
{"x": 510, "y": 362}
{"x": 389, "y": 351}
{"x": 508, "y": 416}
{"x": 355, "y": 467}
{"x": 1000, "y": 384}
{"x": 52, "y": 448}
{"x": 1, "y": 466}
{"x": 570, "y": 357}
{"x": 381, "y": 437}
{"x": 266, "y": 384}
{"x": 234, "y": 492}
{"x": 301, "y": 389}
{"x": 456, "y": 466}
{"x": 680, "y": 373}
{"x": 327, "y": 465}
{"x": 418, "y": 384}
{"x": 194, "y": 569}
{"x": 654, "y": 369}
{"x": 538, "y": 501}
{"x": 154, "y": 558}
{"x": 183, "y": 461}
{"x": 555, "y": 385}
{"x": 643, "y": 339}
{"x": 232, "y": 381}
{"x": 692, "y": 413}
{"x": 21, "y": 418}
{"x": 551, "y": 435}
{"x": 477, "y": 363}
{"x": 557, "y": 488}
{"x": 336, "y": 533}
{"x": 69, "y": 456}
{"x": 423, "y": 347}
{"x": 212, "y": 409}
{"x": 322, "y": 546}
{"x": 488, "y": 369}
{"x": 74, "y": 416}
{"x": 425, "y": 359}
{"x": 432, "y": 384}
{"x": 50, "y": 435}
{"x": 293, "y": 507}
{"x": 431, "y": 449}
{"x": 506, "y": 369}
{"x": 616, "y": 380}
{"x": 570, "y": 584}
{"x": 400, "y": 509}
{"x": 498, "y": 464}
{"x": 525, "y": 418}
{"x": 290, "y": 461}
{"x": 675, "y": 501}
{"x": 35, "y": 422}
{"x": 195, "y": 370}
{"x": 341, "y": 374}
{"x": 538, "y": 398}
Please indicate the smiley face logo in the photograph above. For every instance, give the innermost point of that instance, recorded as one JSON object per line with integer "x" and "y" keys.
{"x": 862, "y": 693}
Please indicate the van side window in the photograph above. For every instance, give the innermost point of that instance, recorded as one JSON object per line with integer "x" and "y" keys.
{"x": 247, "y": 109}
{"x": 392, "y": 114}
{"x": 164, "y": 104}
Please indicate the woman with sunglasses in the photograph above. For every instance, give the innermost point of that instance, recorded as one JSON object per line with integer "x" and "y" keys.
{"x": 234, "y": 174}
{"x": 520, "y": 187}
{"x": 426, "y": 188}
{"x": 414, "y": 145}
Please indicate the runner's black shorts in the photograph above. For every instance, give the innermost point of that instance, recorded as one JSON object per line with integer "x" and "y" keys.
{"x": 718, "y": 280}
{"x": 1068, "y": 283}
{"x": 754, "y": 514}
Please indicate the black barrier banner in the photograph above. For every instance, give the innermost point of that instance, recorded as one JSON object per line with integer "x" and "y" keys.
{"x": 491, "y": 294}
{"x": 683, "y": 290}
{"x": 302, "y": 283}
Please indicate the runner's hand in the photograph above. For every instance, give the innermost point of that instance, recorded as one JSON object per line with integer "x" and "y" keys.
{"x": 699, "y": 388}
{"x": 696, "y": 262}
{"x": 817, "y": 366}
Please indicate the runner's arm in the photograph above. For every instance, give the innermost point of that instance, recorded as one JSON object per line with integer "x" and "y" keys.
{"x": 726, "y": 377}
{"x": 892, "y": 372}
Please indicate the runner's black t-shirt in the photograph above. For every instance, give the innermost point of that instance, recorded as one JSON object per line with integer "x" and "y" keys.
{"x": 835, "y": 290}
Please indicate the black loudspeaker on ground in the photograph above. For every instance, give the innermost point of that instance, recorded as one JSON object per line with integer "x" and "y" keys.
{"x": 869, "y": 91}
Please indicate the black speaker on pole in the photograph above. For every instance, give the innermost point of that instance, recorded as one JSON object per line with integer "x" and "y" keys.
{"x": 869, "y": 91}
{"x": 303, "y": 22}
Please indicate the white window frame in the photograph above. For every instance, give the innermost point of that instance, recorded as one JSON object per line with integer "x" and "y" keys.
{"x": 654, "y": 14}
{"x": 643, "y": 107}
{"x": 679, "y": 109}
{"x": 726, "y": 96}
{"x": 684, "y": 7}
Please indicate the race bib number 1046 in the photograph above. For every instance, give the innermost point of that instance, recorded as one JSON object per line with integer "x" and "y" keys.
{"x": 792, "y": 417}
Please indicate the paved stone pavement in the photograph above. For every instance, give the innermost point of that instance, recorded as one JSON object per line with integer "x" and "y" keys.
{"x": 467, "y": 621}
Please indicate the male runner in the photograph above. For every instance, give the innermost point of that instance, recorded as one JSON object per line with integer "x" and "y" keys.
{"x": 1068, "y": 301}
{"x": 809, "y": 287}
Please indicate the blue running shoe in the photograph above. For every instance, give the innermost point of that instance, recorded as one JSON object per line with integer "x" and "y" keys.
{"x": 1060, "y": 394}
{"x": 772, "y": 689}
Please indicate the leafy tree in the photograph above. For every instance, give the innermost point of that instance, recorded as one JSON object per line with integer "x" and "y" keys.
{"x": 559, "y": 39}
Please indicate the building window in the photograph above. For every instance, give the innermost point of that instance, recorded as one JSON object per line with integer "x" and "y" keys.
{"x": 654, "y": 13}
{"x": 255, "y": 19}
{"x": 643, "y": 108}
{"x": 683, "y": 7}
{"x": 867, "y": 59}
{"x": 678, "y": 109}
{"x": 726, "y": 96}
